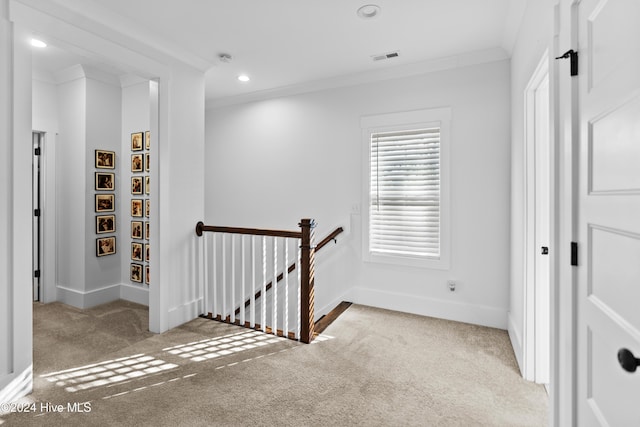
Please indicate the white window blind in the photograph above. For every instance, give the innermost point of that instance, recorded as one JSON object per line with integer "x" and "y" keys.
{"x": 404, "y": 210}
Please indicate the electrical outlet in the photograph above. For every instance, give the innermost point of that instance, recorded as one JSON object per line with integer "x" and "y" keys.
{"x": 452, "y": 285}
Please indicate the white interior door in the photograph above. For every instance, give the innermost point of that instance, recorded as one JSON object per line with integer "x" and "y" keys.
{"x": 609, "y": 212}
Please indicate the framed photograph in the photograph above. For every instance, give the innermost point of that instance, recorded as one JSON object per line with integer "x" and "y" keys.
{"x": 105, "y": 181}
{"x": 147, "y": 186}
{"x": 105, "y": 246}
{"x": 137, "y": 141}
{"x": 136, "y": 207}
{"x": 136, "y": 251}
{"x": 146, "y": 252}
{"x": 136, "y": 163}
{"x": 136, "y": 273}
{"x": 146, "y": 230}
{"x": 105, "y": 159}
{"x": 146, "y": 162}
{"x": 105, "y": 203}
{"x": 105, "y": 224}
{"x": 147, "y": 139}
{"x": 136, "y": 185}
{"x": 136, "y": 229}
{"x": 147, "y": 207}
{"x": 146, "y": 276}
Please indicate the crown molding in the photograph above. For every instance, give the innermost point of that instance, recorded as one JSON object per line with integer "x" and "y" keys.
{"x": 390, "y": 73}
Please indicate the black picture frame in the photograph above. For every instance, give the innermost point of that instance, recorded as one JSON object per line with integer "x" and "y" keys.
{"x": 136, "y": 208}
{"x": 105, "y": 159}
{"x": 136, "y": 230}
{"x": 136, "y": 251}
{"x": 136, "y": 185}
{"x": 105, "y": 246}
{"x": 105, "y": 181}
{"x": 137, "y": 141}
{"x": 136, "y": 273}
{"x": 105, "y": 202}
{"x": 137, "y": 162}
{"x": 105, "y": 224}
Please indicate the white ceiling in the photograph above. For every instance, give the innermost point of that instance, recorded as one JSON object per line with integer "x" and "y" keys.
{"x": 283, "y": 43}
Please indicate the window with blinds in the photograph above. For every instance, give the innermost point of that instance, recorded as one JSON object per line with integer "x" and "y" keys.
{"x": 404, "y": 209}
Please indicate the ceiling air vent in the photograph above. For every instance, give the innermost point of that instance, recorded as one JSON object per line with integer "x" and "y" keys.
{"x": 384, "y": 56}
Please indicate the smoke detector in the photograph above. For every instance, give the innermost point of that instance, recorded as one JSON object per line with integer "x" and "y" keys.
{"x": 369, "y": 11}
{"x": 383, "y": 56}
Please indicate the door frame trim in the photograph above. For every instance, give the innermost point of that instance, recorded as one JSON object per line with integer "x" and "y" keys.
{"x": 531, "y": 363}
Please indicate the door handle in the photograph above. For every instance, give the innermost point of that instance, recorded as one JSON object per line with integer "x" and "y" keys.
{"x": 627, "y": 360}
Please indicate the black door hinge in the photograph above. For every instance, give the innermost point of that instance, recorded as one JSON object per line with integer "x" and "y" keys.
{"x": 36, "y": 212}
{"x": 37, "y": 151}
{"x": 36, "y": 274}
{"x": 573, "y": 56}
{"x": 574, "y": 253}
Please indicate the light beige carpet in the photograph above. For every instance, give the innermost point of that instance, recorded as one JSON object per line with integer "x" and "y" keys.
{"x": 371, "y": 367}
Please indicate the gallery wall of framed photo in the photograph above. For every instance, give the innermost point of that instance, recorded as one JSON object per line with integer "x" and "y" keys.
{"x": 105, "y": 202}
{"x": 140, "y": 206}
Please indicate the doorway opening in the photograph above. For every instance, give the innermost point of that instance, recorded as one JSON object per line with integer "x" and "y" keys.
{"x": 538, "y": 221}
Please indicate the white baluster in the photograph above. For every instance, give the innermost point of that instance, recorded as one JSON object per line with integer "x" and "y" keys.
{"x": 233, "y": 279}
{"x": 253, "y": 283}
{"x": 285, "y": 271}
{"x": 274, "y": 287}
{"x": 224, "y": 277}
{"x": 242, "y": 319}
{"x": 205, "y": 273}
{"x": 263, "y": 297}
{"x": 214, "y": 273}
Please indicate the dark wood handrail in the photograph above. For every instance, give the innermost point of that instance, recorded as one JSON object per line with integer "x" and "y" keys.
{"x": 292, "y": 267}
{"x": 200, "y": 228}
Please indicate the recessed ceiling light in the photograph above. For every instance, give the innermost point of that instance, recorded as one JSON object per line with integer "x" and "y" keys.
{"x": 243, "y": 78}
{"x": 38, "y": 43}
{"x": 369, "y": 11}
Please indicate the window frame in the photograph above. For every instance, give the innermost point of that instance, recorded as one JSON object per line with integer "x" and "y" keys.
{"x": 406, "y": 121}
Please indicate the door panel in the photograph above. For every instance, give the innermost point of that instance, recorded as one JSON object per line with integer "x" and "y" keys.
{"x": 608, "y": 211}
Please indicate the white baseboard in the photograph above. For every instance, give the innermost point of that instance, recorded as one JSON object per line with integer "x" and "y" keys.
{"x": 88, "y": 299}
{"x": 135, "y": 294}
{"x": 442, "y": 309}
{"x": 184, "y": 313}
{"x": 516, "y": 342}
{"x": 17, "y": 386}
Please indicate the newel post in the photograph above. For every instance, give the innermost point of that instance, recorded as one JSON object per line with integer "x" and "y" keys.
{"x": 307, "y": 268}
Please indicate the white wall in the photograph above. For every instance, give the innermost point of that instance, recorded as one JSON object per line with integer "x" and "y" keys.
{"x": 270, "y": 163}
{"x": 15, "y": 211}
{"x": 71, "y": 191}
{"x": 89, "y": 119}
{"x": 103, "y": 127}
{"x": 177, "y": 177}
{"x": 533, "y": 39}
{"x": 135, "y": 118}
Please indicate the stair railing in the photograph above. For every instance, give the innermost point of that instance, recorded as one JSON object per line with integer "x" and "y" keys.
{"x": 227, "y": 281}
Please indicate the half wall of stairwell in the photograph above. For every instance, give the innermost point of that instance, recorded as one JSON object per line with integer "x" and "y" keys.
{"x": 237, "y": 264}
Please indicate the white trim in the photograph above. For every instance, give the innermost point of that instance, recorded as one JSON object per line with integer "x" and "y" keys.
{"x": 19, "y": 385}
{"x": 534, "y": 367}
{"x": 88, "y": 299}
{"x": 185, "y": 312}
{"x": 460, "y": 312}
{"x": 49, "y": 264}
{"x": 397, "y": 121}
{"x": 516, "y": 340}
{"x": 356, "y": 79}
{"x": 134, "y": 293}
